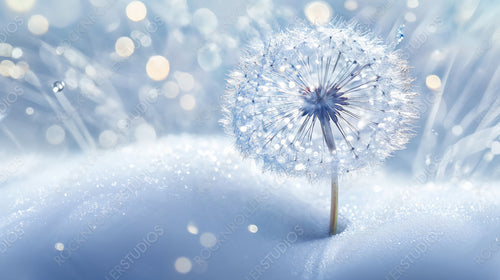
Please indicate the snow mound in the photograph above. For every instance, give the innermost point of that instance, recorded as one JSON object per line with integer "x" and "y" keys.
{"x": 189, "y": 207}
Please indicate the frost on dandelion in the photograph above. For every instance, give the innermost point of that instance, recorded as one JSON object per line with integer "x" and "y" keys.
{"x": 320, "y": 100}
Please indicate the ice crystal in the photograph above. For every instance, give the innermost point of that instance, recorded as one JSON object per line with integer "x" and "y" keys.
{"x": 320, "y": 100}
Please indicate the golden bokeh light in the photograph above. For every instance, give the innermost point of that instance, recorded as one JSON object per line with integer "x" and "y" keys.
{"x": 136, "y": 11}
{"x": 157, "y": 68}
{"x": 433, "y": 82}
{"x": 5, "y": 67}
{"x": 20, "y": 6}
{"x": 318, "y": 12}
{"x": 38, "y": 24}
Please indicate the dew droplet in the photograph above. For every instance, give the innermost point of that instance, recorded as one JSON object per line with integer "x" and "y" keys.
{"x": 58, "y": 86}
{"x": 400, "y": 35}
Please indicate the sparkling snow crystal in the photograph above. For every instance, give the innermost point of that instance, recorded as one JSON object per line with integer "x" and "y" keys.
{"x": 314, "y": 100}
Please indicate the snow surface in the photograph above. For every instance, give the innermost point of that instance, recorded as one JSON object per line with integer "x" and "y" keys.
{"x": 152, "y": 210}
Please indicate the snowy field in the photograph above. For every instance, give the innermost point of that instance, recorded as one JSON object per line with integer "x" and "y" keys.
{"x": 187, "y": 207}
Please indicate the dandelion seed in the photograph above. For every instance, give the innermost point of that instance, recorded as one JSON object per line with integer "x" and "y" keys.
{"x": 400, "y": 34}
{"x": 351, "y": 105}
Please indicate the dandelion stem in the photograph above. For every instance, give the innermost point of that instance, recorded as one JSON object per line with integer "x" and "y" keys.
{"x": 330, "y": 143}
{"x": 334, "y": 204}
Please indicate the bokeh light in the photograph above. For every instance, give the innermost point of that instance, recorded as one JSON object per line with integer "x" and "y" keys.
{"x": 30, "y": 111}
{"x": 209, "y": 57}
{"x": 351, "y": 5}
{"x": 20, "y": 5}
{"x": 136, "y": 11}
{"x": 208, "y": 239}
{"x": 108, "y": 139}
{"x": 170, "y": 89}
{"x": 253, "y": 228}
{"x": 17, "y": 71}
{"x": 17, "y": 53}
{"x": 55, "y": 134}
{"x": 412, "y": 4}
{"x": 410, "y": 17}
{"x": 192, "y": 228}
{"x": 158, "y": 68}
{"x": 188, "y": 102}
{"x": 318, "y": 12}
{"x": 183, "y": 265}
{"x": 38, "y": 24}
{"x": 433, "y": 82}
{"x": 145, "y": 133}
{"x": 124, "y": 46}
{"x": 59, "y": 246}
{"x": 205, "y": 21}
{"x": 184, "y": 80}
{"x": 5, "y": 50}
{"x": 6, "y": 67}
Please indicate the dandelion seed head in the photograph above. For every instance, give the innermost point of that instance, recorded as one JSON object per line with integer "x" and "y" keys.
{"x": 317, "y": 100}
